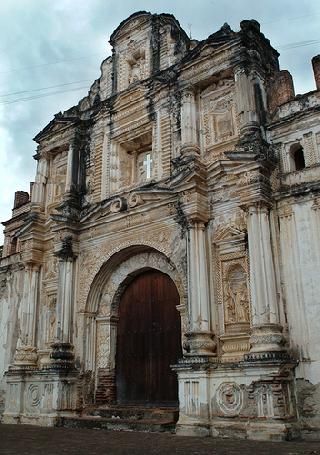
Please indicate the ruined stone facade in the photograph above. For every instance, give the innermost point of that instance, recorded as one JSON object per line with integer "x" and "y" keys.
{"x": 195, "y": 159}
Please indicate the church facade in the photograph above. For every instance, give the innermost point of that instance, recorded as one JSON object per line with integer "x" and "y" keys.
{"x": 168, "y": 253}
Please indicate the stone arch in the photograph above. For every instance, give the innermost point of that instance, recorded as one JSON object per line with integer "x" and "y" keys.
{"x": 296, "y": 157}
{"x": 101, "y": 312}
{"x": 95, "y": 261}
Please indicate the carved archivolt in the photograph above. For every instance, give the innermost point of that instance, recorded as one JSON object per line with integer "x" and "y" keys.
{"x": 107, "y": 304}
{"x": 104, "y": 298}
{"x": 92, "y": 261}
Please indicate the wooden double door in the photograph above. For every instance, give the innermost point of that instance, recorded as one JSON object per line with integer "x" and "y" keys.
{"x": 148, "y": 341}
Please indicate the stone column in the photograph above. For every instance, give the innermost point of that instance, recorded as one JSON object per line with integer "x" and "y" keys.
{"x": 72, "y": 170}
{"x": 62, "y": 348}
{"x": 246, "y": 101}
{"x": 189, "y": 139}
{"x": 26, "y": 353}
{"x": 38, "y": 189}
{"x": 266, "y": 329}
{"x": 200, "y": 337}
{"x": 64, "y": 300}
{"x": 69, "y": 170}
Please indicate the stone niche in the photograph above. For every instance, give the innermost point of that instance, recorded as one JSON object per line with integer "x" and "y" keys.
{"x": 218, "y": 117}
{"x": 56, "y": 183}
{"x": 233, "y": 292}
{"x": 135, "y": 157}
{"x": 133, "y": 160}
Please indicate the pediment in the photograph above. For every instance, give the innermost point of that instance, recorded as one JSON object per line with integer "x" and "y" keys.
{"x": 55, "y": 125}
{"x": 229, "y": 232}
{"x": 126, "y": 202}
{"x": 133, "y": 23}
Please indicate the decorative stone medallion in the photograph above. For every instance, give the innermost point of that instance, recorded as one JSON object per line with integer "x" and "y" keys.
{"x": 33, "y": 398}
{"x": 229, "y": 398}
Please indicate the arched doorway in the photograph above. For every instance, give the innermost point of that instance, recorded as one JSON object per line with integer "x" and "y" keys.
{"x": 148, "y": 341}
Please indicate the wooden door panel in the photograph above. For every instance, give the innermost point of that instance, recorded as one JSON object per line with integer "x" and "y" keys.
{"x": 148, "y": 341}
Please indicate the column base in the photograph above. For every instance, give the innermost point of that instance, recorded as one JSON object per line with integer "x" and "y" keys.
{"x": 250, "y": 400}
{"x": 62, "y": 356}
{"x": 25, "y": 356}
{"x": 200, "y": 343}
{"x": 190, "y": 149}
{"x": 267, "y": 342}
{"x": 39, "y": 397}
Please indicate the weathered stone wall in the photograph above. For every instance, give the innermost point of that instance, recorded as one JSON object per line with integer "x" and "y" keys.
{"x": 11, "y": 287}
{"x": 184, "y": 163}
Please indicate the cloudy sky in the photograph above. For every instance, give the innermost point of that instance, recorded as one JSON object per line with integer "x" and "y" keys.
{"x": 50, "y": 52}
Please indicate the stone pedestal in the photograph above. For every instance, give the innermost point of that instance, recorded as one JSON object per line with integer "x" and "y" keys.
{"x": 62, "y": 356}
{"x": 200, "y": 343}
{"x": 25, "y": 356}
{"x": 266, "y": 337}
{"x": 247, "y": 400}
{"x": 39, "y": 397}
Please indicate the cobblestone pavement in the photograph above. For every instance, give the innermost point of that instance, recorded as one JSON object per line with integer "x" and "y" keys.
{"x": 30, "y": 440}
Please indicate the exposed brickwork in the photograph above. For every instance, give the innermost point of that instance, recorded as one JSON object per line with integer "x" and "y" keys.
{"x": 20, "y": 198}
{"x": 106, "y": 390}
{"x": 281, "y": 90}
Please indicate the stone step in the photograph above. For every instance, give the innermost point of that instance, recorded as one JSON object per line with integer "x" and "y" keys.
{"x": 117, "y": 424}
{"x": 135, "y": 413}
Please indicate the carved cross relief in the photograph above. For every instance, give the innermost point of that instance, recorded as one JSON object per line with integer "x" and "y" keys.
{"x": 144, "y": 163}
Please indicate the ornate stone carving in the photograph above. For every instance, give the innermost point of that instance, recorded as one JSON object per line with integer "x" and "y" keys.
{"x": 266, "y": 338}
{"x": 199, "y": 343}
{"x": 92, "y": 261}
{"x": 137, "y": 62}
{"x": 103, "y": 345}
{"x": 236, "y": 296}
{"x": 25, "y": 356}
{"x": 51, "y": 319}
{"x": 134, "y": 200}
{"x": 33, "y": 396}
{"x": 118, "y": 204}
{"x": 229, "y": 398}
{"x": 218, "y": 117}
{"x": 51, "y": 268}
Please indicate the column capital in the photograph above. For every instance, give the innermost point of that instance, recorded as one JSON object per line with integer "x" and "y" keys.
{"x": 197, "y": 224}
{"x": 257, "y": 207}
{"x": 65, "y": 253}
{"x": 32, "y": 266}
{"x": 188, "y": 92}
